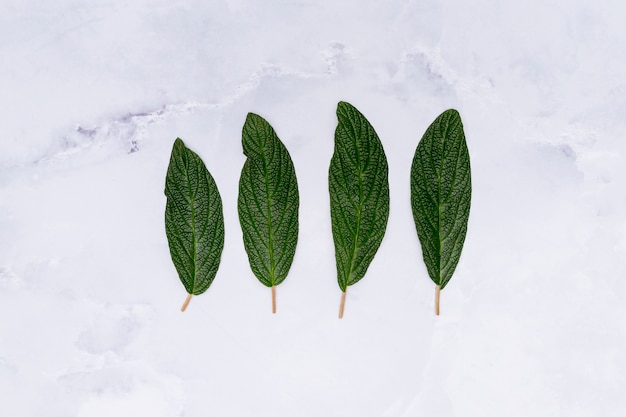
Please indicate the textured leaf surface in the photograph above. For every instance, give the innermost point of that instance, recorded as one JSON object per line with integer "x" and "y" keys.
{"x": 268, "y": 202}
{"x": 441, "y": 191}
{"x": 194, "y": 222}
{"x": 359, "y": 194}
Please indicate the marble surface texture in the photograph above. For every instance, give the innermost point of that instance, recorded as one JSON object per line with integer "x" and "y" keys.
{"x": 93, "y": 95}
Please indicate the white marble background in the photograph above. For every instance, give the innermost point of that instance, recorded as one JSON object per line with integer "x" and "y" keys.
{"x": 93, "y": 95}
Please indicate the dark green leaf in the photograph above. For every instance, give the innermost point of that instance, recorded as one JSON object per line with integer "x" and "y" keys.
{"x": 441, "y": 191}
{"x": 359, "y": 194}
{"x": 268, "y": 202}
{"x": 194, "y": 222}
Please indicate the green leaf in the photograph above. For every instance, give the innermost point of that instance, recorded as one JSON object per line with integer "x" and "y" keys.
{"x": 441, "y": 191}
{"x": 194, "y": 222}
{"x": 359, "y": 194}
{"x": 268, "y": 202}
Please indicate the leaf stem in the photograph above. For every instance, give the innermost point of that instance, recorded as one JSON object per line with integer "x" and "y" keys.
{"x": 274, "y": 299}
{"x": 186, "y": 303}
{"x": 343, "y": 303}
{"x": 437, "y": 292}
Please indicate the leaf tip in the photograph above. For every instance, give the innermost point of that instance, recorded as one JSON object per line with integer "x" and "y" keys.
{"x": 253, "y": 118}
{"x": 453, "y": 114}
{"x": 344, "y": 105}
{"x": 178, "y": 142}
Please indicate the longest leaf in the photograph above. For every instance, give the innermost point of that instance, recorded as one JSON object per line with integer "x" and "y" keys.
{"x": 441, "y": 191}
{"x": 194, "y": 222}
{"x": 268, "y": 203}
{"x": 359, "y": 196}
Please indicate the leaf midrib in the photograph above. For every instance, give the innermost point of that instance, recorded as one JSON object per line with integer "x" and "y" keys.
{"x": 439, "y": 231}
{"x": 192, "y": 197}
{"x": 355, "y": 247}
{"x": 457, "y": 207}
{"x": 269, "y": 215}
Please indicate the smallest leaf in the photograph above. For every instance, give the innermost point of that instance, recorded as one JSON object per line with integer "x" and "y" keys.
{"x": 194, "y": 221}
